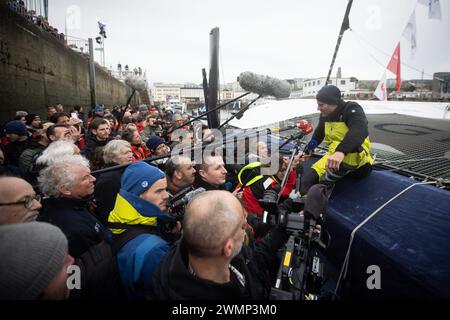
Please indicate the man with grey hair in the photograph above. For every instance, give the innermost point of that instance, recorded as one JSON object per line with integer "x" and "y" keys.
{"x": 67, "y": 186}
{"x": 107, "y": 186}
{"x": 55, "y": 151}
{"x": 211, "y": 261}
{"x": 177, "y": 120}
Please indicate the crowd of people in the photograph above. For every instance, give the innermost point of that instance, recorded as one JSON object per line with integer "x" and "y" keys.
{"x": 19, "y": 7}
{"x": 102, "y": 184}
{"x": 50, "y": 160}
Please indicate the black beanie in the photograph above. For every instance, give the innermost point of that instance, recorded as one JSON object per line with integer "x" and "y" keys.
{"x": 29, "y": 118}
{"x": 329, "y": 94}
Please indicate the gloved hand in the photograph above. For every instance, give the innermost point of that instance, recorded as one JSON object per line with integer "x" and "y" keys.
{"x": 312, "y": 144}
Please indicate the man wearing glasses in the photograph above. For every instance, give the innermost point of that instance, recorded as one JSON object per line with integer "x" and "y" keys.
{"x": 18, "y": 201}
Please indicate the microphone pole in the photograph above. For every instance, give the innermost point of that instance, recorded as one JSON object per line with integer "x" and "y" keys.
{"x": 286, "y": 174}
{"x": 292, "y": 137}
{"x": 288, "y": 169}
{"x": 240, "y": 113}
{"x": 208, "y": 112}
{"x": 153, "y": 158}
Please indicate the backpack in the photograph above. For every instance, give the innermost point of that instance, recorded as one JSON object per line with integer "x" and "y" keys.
{"x": 100, "y": 278}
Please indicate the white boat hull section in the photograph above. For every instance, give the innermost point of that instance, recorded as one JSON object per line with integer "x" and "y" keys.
{"x": 277, "y": 111}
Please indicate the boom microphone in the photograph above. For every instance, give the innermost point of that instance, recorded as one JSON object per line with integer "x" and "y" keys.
{"x": 264, "y": 85}
{"x": 136, "y": 82}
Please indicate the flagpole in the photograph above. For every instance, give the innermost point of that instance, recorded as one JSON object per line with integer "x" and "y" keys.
{"x": 345, "y": 25}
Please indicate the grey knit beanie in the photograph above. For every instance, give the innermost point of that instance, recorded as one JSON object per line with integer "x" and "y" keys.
{"x": 31, "y": 254}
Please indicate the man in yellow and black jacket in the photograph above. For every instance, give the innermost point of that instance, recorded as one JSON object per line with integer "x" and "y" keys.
{"x": 343, "y": 127}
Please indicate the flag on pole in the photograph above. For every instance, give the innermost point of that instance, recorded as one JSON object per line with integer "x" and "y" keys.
{"x": 410, "y": 33}
{"x": 434, "y": 8}
{"x": 381, "y": 90}
{"x": 394, "y": 66}
{"x": 102, "y": 26}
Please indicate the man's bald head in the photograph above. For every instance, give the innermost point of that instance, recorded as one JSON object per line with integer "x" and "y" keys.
{"x": 10, "y": 188}
{"x": 211, "y": 219}
{"x": 13, "y": 192}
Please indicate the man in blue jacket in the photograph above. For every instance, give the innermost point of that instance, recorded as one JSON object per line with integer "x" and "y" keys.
{"x": 141, "y": 204}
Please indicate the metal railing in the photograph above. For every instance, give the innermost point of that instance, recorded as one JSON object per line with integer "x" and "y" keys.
{"x": 78, "y": 44}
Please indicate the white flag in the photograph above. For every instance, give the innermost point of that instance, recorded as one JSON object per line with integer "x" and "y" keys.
{"x": 434, "y": 8}
{"x": 410, "y": 33}
{"x": 381, "y": 90}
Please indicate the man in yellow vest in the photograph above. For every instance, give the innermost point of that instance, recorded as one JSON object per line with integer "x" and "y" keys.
{"x": 343, "y": 128}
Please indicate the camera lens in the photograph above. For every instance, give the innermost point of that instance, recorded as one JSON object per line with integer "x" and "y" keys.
{"x": 269, "y": 201}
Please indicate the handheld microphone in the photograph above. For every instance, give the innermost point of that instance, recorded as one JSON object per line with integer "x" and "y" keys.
{"x": 312, "y": 144}
{"x": 264, "y": 85}
{"x": 305, "y": 126}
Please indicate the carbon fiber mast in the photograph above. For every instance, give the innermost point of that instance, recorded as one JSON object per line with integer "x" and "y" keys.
{"x": 213, "y": 117}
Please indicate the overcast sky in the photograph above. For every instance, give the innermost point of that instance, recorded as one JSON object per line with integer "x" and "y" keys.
{"x": 279, "y": 38}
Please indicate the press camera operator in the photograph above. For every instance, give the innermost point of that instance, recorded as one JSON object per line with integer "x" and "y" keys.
{"x": 255, "y": 184}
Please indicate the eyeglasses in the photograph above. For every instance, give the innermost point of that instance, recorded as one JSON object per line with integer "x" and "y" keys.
{"x": 27, "y": 202}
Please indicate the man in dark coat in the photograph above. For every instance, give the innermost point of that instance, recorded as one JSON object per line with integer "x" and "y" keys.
{"x": 17, "y": 134}
{"x": 68, "y": 184}
{"x": 211, "y": 261}
{"x": 107, "y": 186}
{"x": 98, "y": 136}
{"x": 211, "y": 174}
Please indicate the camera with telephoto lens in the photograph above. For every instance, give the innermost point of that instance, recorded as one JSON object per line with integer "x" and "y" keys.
{"x": 177, "y": 204}
{"x": 286, "y": 214}
{"x": 301, "y": 272}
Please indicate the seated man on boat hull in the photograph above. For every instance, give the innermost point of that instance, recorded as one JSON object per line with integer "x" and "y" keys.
{"x": 343, "y": 127}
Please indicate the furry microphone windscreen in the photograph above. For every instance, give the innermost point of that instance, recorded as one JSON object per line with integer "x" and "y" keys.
{"x": 264, "y": 85}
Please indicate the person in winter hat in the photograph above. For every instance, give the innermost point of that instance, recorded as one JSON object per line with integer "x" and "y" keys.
{"x": 16, "y": 127}
{"x": 34, "y": 262}
{"x": 157, "y": 146}
{"x": 34, "y": 121}
{"x": 141, "y": 205}
{"x": 17, "y": 134}
{"x": 343, "y": 127}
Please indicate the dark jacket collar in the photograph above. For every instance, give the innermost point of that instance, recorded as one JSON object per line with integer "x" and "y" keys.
{"x": 185, "y": 285}
{"x": 200, "y": 183}
{"x": 69, "y": 202}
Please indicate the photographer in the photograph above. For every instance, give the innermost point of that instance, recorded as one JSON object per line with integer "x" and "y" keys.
{"x": 150, "y": 128}
{"x": 211, "y": 261}
{"x": 180, "y": 173}
{"x": 256, "y": 185}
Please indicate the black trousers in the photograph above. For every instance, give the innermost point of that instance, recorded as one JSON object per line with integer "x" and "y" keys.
{"x": 310, "y": 177}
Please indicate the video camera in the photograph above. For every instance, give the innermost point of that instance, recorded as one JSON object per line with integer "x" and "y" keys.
{"x": 177, "y": 204}
{"x": 301, "y": 271}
